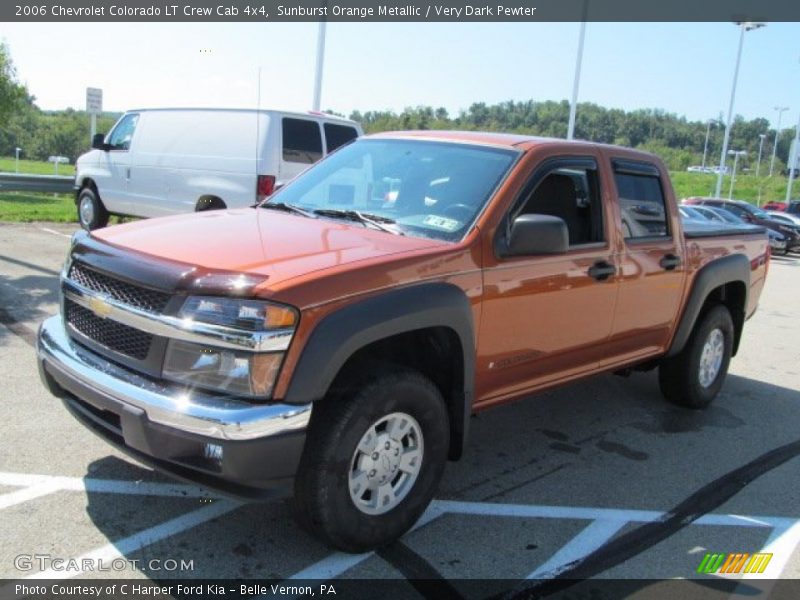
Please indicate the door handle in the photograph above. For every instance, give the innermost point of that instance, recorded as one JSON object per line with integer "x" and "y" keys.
{"x": 601, "y": 270}
{"x": 670, "y": 261}
{"x": 128, "y": 173}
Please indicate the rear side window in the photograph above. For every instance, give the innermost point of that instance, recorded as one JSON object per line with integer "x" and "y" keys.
{"x": 302, "y": 141}
{"x": 120, "y": 138}
{"x": 337, "y": 135}
{"x": 642, "y": 206}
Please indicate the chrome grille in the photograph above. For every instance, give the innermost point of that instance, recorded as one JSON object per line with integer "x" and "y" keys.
{"x": 114, "y": 336}
{"x": 132, "y": 295}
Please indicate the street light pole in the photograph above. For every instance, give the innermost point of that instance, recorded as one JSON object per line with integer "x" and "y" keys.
{"x": 573, "y": 107}
{"x": 781, "y": 110}
{"x": 745, "y": 26}
{"x": 705, "y": 146}
{"x": 760, "y": 147}
{"x": 320, "y": 61}
{"x": 793, "y": 162}
{"x": 736, "y": 154}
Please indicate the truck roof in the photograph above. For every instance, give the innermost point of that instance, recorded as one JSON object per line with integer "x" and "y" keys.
{"x": 509, "y": 140}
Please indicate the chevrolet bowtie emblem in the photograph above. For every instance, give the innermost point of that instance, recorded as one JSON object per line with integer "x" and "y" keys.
{"x": 99, "y": 307}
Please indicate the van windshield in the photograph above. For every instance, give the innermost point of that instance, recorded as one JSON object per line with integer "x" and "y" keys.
{"x": 418, "y": 187}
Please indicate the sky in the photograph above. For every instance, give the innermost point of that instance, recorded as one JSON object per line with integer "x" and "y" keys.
{"x": 683, "y": 68}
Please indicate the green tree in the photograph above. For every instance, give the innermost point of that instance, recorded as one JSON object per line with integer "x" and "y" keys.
{"x": 13, "y": 95}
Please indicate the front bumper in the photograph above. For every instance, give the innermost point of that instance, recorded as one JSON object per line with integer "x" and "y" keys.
{"x": 238, "y": 448}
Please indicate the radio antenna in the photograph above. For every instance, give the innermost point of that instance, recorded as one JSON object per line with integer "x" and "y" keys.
{"x": 258, "y": 116}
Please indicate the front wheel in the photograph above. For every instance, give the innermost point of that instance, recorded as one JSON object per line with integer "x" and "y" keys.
{"x": 373, "y": 460}
{"x": 694, "y": 377}
{"x": 91, "y": 212}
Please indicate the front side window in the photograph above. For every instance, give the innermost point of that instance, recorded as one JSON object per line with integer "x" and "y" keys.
{"x": 120, "y": 138}
{"x": 642, "y": 206}
{"x": 573, "y": 195}
{"x": 302, "y": 141}
{"x": 421, "y": 188}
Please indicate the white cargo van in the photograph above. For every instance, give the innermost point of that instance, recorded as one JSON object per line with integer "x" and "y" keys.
{"x": 158, "y": 162}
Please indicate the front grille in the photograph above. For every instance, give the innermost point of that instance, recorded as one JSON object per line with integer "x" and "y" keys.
{"x": 114, "y": 336}
{"x": 127, "y": 293}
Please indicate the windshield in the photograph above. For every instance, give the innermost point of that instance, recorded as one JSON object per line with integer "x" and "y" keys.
{"x": 423, "y": 188}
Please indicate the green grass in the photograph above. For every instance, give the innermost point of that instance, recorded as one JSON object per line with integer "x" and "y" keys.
{"x": 26, "y": 207}
{"x": 60, "y": 208}
{"x": 746, "y": 187}
{"x": 34, "y": 167}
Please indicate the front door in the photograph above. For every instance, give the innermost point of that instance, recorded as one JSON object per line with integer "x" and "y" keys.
{"x": 115, "y": 190}
{"x": 546, "y": 318}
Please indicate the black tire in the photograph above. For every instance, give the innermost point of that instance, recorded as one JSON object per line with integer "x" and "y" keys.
{"x": 209, "y": 203}
{"x": 679, "y": 376}
{"x": 322, "y": 500}
{"x": 91, "y": 212}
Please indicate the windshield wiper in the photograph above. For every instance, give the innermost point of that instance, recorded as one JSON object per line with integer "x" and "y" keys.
{"x": 288, "y": 208}
{"x": 356, "y": 215}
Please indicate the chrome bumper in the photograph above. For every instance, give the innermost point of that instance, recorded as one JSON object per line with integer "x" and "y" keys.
{"x": 190, "y": 411}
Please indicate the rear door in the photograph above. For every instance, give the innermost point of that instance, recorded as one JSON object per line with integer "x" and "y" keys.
{"x": 651, "y": 259}
{"x": 546, "y": 318}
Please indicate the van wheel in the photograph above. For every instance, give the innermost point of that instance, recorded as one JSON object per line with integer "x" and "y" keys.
{"x": 694, "y": 377}
{"x": 209, "y": 203}
{"x": 373, "y": 460}
{"x": 91, "y": 212}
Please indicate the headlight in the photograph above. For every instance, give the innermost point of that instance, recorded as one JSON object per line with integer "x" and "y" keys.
{"x": 239, "y": 372}
{"x": 253, "y": 315}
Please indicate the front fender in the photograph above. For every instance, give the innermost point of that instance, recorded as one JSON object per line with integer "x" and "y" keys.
{"x": 341, "y": 334}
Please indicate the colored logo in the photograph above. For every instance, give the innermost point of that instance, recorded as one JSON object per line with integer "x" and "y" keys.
{"x": 735, "y": 562}
{"x": 99, "y": 307}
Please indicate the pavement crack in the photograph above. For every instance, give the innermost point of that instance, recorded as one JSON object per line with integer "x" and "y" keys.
{"x": 628, "y": 545}
{"x": 421, "y": 574}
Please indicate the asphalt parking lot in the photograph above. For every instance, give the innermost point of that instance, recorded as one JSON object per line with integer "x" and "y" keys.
{"x": 599, "y": 479}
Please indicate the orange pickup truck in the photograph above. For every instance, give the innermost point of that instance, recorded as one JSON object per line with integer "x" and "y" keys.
{"x": 332, "y": 342}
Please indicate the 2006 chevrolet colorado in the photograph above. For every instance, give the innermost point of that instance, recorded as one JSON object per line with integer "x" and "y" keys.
{"x": 334, "y": 341}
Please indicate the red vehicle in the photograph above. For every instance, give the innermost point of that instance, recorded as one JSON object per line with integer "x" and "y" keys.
{"x": 332, "y": 345}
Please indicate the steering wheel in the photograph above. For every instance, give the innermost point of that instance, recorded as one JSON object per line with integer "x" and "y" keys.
{"x": 460, "y": 212}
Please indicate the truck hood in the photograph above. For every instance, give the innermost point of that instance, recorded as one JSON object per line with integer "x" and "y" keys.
{"x": 276, "y": 245}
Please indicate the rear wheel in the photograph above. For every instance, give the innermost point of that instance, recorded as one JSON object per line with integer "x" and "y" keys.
{"x": 373, "y": 460}
{"x": 694, "y": 377}
{"x": 91, "y": 212}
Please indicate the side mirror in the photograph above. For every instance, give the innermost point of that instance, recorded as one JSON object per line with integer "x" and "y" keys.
{"x": 99, "y": 141}
{"x": 537, "y": 234}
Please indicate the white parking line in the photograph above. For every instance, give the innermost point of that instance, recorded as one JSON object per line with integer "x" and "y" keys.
{"x": 604, "y": 523}
{"x": 105, "y": 486}
{"x": 29, "y": 493}
{"x": 582, "y": 545}
{"x": 54, "y": 232}
{"x": 781, "y": 543}
{"x": 144, "y": 538}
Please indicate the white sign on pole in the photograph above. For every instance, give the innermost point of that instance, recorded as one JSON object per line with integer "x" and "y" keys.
{"x": 94, "y": 101}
